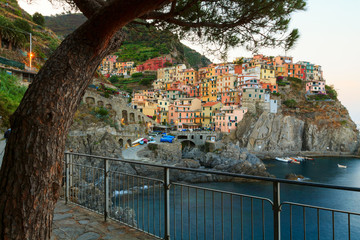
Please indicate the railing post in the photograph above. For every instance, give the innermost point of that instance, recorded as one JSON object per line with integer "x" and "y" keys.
{"x": 106, "y": 188}
{"x": 71, "y": 168}
{"x": 167, "y": 202}
{"x": 67, "y": 173}
{"x": 276, "y": 210}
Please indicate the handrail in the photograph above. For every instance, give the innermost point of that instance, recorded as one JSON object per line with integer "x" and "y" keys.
{"x": 135, "y": 195}
{"x": 268, "y": 179}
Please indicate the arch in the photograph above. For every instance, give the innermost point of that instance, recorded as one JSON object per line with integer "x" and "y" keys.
{"x": 188, "y": 144}
{"x": 121, "y": 143}
{"x": 128, "y": 142}
{"x": 100, "y": 103}
{"x": 108, "y": 106}
{"x": 124, "y": 116}
{"x": 192, "y": 136}
{"x": 90, "y": 100}
{"x": 139, "y": 118}
{"x": 132, "y": 117}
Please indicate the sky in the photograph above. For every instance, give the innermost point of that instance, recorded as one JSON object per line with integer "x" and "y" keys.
{"x": 329, "y": 36}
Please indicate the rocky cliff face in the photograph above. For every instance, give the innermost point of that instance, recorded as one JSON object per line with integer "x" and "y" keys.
{"x": 281, "y": 134}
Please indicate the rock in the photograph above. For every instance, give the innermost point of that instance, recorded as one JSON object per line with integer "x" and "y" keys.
{"x": 278, "y": 135}
{"x": 293, "y": 176}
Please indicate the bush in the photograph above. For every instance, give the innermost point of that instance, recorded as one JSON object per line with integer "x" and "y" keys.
{"x": 290, "y": 103}
{"x": 114, "y": 79}
{"x": 282, "y": 84}
{"x": 23, "y": 25}
{"x": 331, "y": 92}
{"x": 276, "y": 94}
{"x": 137, "y": 75}
{"x": 10, "y": 96}
{"x": 39, "y": 19}
{"x": 318, "y": 97}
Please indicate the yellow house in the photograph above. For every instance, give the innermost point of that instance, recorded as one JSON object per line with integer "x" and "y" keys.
{"x": 208, "y": 111}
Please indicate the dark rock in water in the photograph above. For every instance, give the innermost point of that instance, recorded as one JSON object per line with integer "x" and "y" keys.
{"x": 293, "y": 176}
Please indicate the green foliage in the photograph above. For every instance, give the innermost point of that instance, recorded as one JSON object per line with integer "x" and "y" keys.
{"x": 102, "y": 112}
{"x": 282, "y": 84}
{"x": 11, "y": 33}
{"x": 114, "y": 79}
{"x": 146, "y": 82}
{"x": 318, "y": 97}
{"x": 10, "y": 96}
{"x": 276, "y": 94}
{"x": 290, "y": 103}
{"x": 23, "y": 25}
{"x": 195, "y": 59}
{"x": 137, "y": 75}
{"x": 331, "y": 92}
{"x": 39, "y": 19}
{"x": 343, "y": 122}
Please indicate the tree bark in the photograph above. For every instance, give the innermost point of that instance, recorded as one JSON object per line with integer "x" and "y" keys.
{"x": 31, "y": 172}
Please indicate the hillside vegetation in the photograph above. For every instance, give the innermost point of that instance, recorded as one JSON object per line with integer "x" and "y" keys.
{"x": 142, "y": 42}
{"x": 15, "y": 28}
{"x": 11, "y": 94}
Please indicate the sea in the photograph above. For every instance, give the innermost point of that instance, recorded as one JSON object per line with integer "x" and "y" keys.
{"x": 202, "y": 214}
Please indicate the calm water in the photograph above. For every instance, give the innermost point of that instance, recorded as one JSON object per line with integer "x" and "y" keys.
{"x": 246, "y": 218}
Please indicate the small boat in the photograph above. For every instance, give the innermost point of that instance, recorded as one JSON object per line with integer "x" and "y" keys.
{"x": 295, "y": 161}
{"x": 283, "y": 159}
{"x": 308, "y": 158}
{"x": 300, "y": 158}
{"x": 342, "y": 166}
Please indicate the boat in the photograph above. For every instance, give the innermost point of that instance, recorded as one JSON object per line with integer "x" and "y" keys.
{"x": 283, "y": 159}
{"x": 308, "y": 158}
{"x": 341, "y": 166}
{"x": 295, "y": 161}
{"x": 136, "y": 141}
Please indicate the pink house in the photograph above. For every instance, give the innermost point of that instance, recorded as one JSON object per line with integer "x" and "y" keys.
{"x": 316, "y": 87}
{"x": 227, "y": 118}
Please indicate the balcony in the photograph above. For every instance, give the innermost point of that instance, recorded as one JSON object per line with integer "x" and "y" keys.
{"x": 168, "y": 209}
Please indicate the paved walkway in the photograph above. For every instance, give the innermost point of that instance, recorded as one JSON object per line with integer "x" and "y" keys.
{"x": 72, "y": 222}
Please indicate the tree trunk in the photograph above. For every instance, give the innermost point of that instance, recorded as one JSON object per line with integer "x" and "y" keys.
{"x": 31, "y": 172}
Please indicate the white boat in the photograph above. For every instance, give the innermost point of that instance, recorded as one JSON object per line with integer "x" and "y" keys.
{"x": 342, "y": 166}
{"x": 136, "y": 141}
{"x": 283, "y": 159}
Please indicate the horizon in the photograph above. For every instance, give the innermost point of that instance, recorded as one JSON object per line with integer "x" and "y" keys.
{"x": 327, "y": 38}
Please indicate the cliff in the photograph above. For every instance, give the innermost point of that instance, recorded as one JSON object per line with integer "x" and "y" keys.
{"x": 314, "y": 133}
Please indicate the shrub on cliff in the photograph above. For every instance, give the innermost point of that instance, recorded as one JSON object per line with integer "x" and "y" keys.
{"x": 331, "y": 92}
{"x": 290, "y": 103}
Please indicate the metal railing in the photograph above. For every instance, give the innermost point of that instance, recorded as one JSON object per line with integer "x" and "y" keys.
{"x": 166, "y": 208}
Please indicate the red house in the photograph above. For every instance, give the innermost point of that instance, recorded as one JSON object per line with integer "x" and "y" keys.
{"x": 154, "y": 64}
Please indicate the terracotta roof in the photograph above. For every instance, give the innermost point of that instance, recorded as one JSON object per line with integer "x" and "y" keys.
{"x": 209, "y": 104}
{"x": 174, "y": 89}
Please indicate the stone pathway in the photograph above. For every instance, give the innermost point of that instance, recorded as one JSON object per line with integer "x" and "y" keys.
{"x": 72, "y": 222}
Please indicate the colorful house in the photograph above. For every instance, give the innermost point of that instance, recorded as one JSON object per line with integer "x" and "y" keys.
{"x": 208, "y": 111}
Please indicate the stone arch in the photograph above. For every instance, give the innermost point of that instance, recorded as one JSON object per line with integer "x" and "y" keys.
{"x": 124, "y": 116}
{"x": 100, "y": 103}
{"x": 188, "y": 144}
{"x": 132, "y": 117}
{"x": 128, "y": 142}
{"x": 90, "y": 100}
{"x": 108, "y": 106}
{"x": 121, "y": 143}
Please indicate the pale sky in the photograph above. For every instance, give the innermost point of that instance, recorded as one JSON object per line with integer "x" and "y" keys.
{"x": 330, "y": 37}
